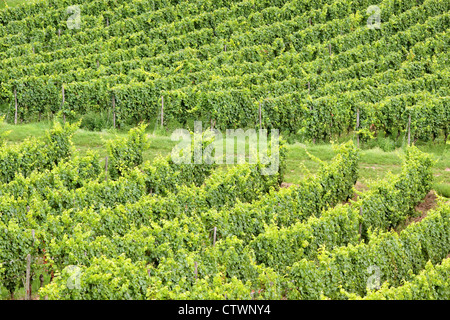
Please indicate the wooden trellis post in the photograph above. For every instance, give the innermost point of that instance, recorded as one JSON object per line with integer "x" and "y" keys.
{"x": 63, "y": 101}
{"x": 357, "y": 125}
{"x": 15, "y": 102}
{"x": 30, "y": 278}
{"x": 409, "y": 129}
{"x": 329, "y": 48}
{"x": 314, "y": 139}
{"x": 195, "y": 271}
{"x": 106, "y": 168}
{"x": 162, "y": 111}
{"x": 260, "y": 116}
{"x": 114, "y": 110}
{"x": 27, "y": 279}
{"x": 360, "y": 224}
{"x": 215, "y": 231}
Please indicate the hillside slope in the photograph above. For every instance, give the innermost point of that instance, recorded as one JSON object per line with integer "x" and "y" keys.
{"x": 318, "y": 67}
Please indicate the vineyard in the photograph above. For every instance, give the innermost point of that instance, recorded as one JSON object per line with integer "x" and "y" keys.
{"x": 160, "y": 230}
{"x": 314, "y": 68}
{"x": 122, "y": 227}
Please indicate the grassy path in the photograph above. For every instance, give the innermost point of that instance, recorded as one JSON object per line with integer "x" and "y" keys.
{"x": 10, "y": 3}
{"x": 374, "y": 164}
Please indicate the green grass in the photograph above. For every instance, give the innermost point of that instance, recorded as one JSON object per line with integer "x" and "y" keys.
{"x": 374, "y": 163}
{"x": 11, "y": 3}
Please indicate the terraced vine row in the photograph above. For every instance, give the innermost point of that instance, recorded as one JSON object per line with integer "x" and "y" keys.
{"x": 234, "y": 233}
{"x": 162, "y": 230}
{"x": 276, "y": 54}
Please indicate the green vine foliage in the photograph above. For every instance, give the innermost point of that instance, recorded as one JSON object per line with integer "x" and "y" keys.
{"x": 164, "y": 230}
{"x": 127, "y": 152}
{"x": 112, "y": 279}
{"x": 390, "y": 201}
{"x": 345, "y": 269}
{"x": 339, "y": 226}
{"x": 289, "y": 205}
{"x": 33, "y": 154}
{"x": 16, "y": 243}
{"x": 432, "y": 283}
{"x": 136, "y": 244}
{"x": 275, "y": 58}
